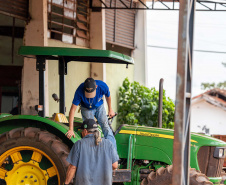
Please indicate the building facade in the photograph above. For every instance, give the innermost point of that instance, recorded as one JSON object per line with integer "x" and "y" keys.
{"x": 66, "y": 23}
{"x": 208, "y": 113}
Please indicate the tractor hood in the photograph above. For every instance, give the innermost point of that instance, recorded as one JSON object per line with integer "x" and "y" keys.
{"x": 196, "y": 139}
{"x": 156, "y": 144}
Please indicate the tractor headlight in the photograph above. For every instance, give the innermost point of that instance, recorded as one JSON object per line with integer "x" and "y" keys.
{"x": 219, "y": 152}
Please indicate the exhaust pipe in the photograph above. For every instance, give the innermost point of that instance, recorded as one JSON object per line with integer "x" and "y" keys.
{"x": 160, "y": 102}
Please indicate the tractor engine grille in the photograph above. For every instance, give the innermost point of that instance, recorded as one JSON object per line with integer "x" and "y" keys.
{"x": 208, "y": 164}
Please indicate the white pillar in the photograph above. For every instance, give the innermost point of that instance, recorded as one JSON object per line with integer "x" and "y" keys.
{"x": 35, "y": 35}
{"x": 140, "y": 54}
{"x": 97, "y": 41}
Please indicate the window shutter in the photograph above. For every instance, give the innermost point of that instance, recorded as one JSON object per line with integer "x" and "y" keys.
{"x": 68, "y": 21}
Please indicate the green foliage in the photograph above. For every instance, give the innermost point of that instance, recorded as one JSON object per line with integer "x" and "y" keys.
{"x": 221, "y": 85}
{"x": 138, "y": 105}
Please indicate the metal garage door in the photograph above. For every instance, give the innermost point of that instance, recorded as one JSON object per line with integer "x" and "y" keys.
{"x": 120, "y": 24}
{"x": 15, "y": 8}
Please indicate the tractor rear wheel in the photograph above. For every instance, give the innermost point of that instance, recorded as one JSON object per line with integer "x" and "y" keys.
{"x": 163, "y": 176}
{"x": 31, "y": 156}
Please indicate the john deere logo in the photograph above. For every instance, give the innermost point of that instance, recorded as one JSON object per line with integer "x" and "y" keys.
{"x": 85, "y": 126}
{"x": 150, "y": 134}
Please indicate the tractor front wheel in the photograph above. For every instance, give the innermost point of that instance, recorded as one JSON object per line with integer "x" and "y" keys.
{"x": 31, "y": 156}
{"x": 163, "y": 176}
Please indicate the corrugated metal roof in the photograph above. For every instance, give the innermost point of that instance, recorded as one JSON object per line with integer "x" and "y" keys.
{"x": 216, "y": 90}
{"x": 215, "y": 97}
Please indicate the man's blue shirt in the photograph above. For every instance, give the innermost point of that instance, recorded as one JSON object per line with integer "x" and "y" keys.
{"x": 79, "y": 97}
{"x": 93, "y": 162}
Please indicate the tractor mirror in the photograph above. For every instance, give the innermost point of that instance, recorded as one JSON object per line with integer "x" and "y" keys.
{"x": 55, "y": 97}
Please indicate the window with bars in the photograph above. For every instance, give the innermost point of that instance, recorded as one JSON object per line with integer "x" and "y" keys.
{"x": 68, "y": 21}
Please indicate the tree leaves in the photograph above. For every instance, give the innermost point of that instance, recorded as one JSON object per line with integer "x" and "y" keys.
{"x": 138, "y": 105}
{"x": 221, "y": 85}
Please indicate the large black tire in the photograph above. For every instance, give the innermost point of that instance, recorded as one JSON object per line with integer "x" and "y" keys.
{"x": 163, "y": 176}
{"x": 46, "y": 152}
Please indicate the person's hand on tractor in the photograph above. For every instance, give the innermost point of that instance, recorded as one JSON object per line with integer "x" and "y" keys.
{"x": 70, "y": 133}
{"x": 111, "y": 113}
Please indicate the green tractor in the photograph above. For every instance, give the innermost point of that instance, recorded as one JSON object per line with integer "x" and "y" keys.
{"x": 34, "y": 148}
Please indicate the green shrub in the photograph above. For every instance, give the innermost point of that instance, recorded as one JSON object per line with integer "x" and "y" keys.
{"x": 138, "y": 105}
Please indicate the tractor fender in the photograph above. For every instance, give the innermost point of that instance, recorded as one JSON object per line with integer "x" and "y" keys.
{"x": 153, "y": 154}
{"x": 59, "y": 129}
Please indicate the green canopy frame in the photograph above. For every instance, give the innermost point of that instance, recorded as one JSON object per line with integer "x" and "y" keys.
{"x": 63, "y": 56}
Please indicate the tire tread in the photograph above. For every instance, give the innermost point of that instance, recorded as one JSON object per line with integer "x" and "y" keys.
{"x": 163, "y": 176}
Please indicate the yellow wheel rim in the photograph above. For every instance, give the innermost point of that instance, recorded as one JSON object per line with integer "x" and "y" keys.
{"x": 26, "y": 173}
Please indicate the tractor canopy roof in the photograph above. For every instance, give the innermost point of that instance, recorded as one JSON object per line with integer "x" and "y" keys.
{"x": 76, "y": 54}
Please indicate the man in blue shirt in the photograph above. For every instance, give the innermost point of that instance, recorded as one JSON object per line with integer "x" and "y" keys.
{"x": 90, "y": 95}
{"x": 91, "y": 158}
